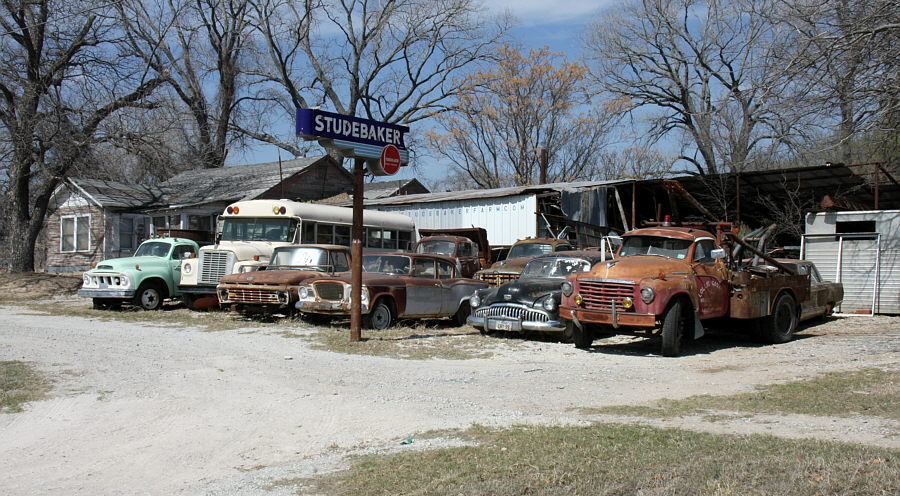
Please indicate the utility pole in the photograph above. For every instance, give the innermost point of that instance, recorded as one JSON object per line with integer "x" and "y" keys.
{"x": 543, "y": 165}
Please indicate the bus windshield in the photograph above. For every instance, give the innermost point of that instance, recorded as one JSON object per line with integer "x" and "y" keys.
{"x": 259, "y": 229}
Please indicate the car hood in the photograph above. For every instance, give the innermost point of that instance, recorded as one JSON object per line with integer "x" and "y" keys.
{"x": 637, "y": 267}
{"x": 514, "y": 265}
{"x": 284, "y": 276}
{"x": 525, "y": 291}
{"x": 128, "y": 263}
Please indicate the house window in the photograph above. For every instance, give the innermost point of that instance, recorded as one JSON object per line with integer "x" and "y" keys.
{"x": 75, "y": 233}
{"x": 199, "y": 222}
{"x": 126, "y": 233}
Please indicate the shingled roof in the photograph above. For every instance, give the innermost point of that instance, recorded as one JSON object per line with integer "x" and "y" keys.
{"x": 112, "y": 194}
{"x": 231, "y": 183}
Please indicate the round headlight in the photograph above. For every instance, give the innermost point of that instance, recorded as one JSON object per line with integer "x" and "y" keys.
{"x": 475, "y": 301}
{"x": 187, "y": 268}
{"x": 549, "y": 304}
{"x": 304, "y": 292}
{"x": 125, "y": 281}
{"x": 647, "y": 294}
{"x": 282, "y": 297}
{"x": 567, "y": 288}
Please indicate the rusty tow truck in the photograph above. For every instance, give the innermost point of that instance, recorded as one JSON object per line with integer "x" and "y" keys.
{"x": 668, "y": 281}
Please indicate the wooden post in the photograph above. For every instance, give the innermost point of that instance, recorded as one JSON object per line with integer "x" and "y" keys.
{"x": 356, "y": 251}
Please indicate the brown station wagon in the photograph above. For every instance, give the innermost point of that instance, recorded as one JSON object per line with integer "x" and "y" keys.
{"x": 395, "y": 286}
{"x": 274, "y": 289}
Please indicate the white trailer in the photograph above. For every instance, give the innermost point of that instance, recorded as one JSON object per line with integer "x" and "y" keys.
{"x": 861, "y": 250}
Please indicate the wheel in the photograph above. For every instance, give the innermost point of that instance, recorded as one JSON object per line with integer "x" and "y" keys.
{"x": 462, "y": 313}
{"x": 149, "y": 296}
{"x": 105, "y": 304}
{"x": 779, "y": 327}
{"x": 380, "y": 318}
{"x": 581, "y": 336}
{"x": 673, "y": 329}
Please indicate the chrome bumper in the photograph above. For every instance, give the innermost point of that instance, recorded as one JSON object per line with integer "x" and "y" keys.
{"x": 514, "y": 325}
{"x": 106, "y": 293}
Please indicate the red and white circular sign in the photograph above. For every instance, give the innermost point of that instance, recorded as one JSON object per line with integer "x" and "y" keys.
{"x": 390, "y": 159}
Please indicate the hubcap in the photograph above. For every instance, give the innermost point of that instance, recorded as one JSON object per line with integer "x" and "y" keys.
{"x": 381, "y": 318}
{"x": 149, "y": 298}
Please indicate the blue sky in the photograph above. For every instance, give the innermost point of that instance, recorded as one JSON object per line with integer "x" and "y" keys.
{"x": 558, "y": 24}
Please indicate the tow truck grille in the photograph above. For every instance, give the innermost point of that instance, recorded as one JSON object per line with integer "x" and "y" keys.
{"x": 601, "y": 295}
{"x": 332, "y": 291}
{"x": 214, "y": 265}
{"x": 242, "y": 295}
{"x": 512, "y": 311}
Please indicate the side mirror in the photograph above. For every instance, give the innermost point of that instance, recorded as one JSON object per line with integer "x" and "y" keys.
{"x": 187, "y": 255}
{"x": 718, "y": 253}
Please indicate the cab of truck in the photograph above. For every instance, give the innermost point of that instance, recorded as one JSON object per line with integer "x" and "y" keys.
{"x": 468, "y": 245}
{"x": 520, "y": 253}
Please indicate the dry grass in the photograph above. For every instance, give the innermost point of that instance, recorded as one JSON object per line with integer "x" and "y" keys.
{"x": 620, "y": 459}
{"x": 37, "y": 286}
{"x": 872, "y": 392}
{"x": 19, "y": 384}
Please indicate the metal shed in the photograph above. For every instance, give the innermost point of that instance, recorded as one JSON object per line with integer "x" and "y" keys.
{"x": 861, "y": 249}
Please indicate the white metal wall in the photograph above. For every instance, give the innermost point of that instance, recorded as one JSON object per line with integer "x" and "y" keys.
{"x": 507, "y": 219}
{"x": 868, "y": 266}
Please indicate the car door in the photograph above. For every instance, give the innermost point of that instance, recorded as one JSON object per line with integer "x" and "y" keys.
{"x": 456, "y": 288}
{"x": 712, "y": 284}
{"x": 424, "y": 291}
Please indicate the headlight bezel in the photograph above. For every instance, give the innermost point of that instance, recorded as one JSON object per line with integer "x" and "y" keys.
{"x": 187, "y": 268}
{"x": 304, "y": 292}
{"x": 475, "y": 301}
{"x": 567, "y": 288}
{"x": 648, "y": 294}
{"x": 549, "y": 304}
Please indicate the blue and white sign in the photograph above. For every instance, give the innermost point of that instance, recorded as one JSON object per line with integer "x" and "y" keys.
{"x": 353, "y": 136}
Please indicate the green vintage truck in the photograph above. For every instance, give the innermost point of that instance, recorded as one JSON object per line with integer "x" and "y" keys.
{"x": 144, "y": 280}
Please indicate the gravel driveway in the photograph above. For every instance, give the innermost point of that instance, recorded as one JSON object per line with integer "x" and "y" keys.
{"x": 140, "y": 409}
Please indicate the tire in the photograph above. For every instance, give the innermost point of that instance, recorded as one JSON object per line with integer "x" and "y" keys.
{"x": 380, "y": 318}
{"x": 673, "y": 329}
{"x": 149, "y": 296}
{"x": 462, "y": 313}
{"x": 779, "y": 327}
{"x": 581, "y": 336}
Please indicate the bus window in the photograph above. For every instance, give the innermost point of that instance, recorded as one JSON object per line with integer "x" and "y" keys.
{"x": 404, "y": 240}
{"x": 373, "y": 238}
{"x": 258, "y": 229}
{"x": 342, "y": 235}
{"x": 325, "y": 234}
{"x": 309, "y": 232}
{"x": 389, "y": 240}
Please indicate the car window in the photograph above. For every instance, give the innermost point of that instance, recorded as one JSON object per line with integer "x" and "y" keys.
{"x": 423, "y": 267}
{"x": 445, "y": 270}
{"x": 814, "y": 274}
{"x": 339, "y": 260}
{"x": 465, "y": 250}
{"x": 703, "y": 251}
{"x": 183, "y": 251}
{"x": 563, "y": 248}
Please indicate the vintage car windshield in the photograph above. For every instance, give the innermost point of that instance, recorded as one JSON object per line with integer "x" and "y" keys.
{"x": 258, "y": 229}
{"x": 655, "y": 245}
{"x": 529, "y": 250}
{"x": 441, "y": 247}
{"x": 300, "y": 257}
{"x": 555, "y": 267}
{"x": 386, "y": 264}
{"x": 153, "y": 249}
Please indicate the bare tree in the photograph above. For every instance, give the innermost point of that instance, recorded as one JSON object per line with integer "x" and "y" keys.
{"x": 198, "y": 46}
{"x": 397, "y": 61}
{"x": 526, "y": 103}
{"x": 699, "y": 67}
{"x": 631, "y": 163}
{"x": 845, "y": 55}
{"x": 63, "y": 76}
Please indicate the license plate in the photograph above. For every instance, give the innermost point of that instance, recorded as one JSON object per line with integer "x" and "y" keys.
{"x": 501, "y": 325}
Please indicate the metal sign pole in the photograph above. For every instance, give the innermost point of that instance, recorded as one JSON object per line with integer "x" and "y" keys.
{"x": 356, "y": 251}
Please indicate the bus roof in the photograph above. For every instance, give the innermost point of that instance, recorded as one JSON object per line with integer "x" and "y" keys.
{"x": 315, "y": 212}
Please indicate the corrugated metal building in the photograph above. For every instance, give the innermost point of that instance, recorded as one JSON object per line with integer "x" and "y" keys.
{"x": 861, "y": 249}
{"x": 577, "y": 210}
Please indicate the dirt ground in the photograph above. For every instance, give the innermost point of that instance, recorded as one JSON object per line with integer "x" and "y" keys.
{"x": 148, "y": 409}
{"x": 35, "y": 286}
